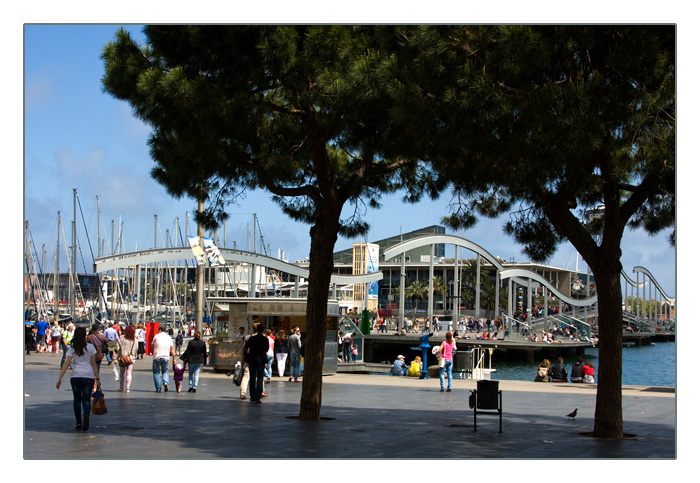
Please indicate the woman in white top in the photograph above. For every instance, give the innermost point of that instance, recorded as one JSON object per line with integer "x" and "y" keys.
{"x": 141, "y": 338}
{"x": 56, "y": 333}
{"x": 84, "y": 375}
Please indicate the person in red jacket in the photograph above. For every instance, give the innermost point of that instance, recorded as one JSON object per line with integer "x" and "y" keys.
{"x": 588, "y": 371}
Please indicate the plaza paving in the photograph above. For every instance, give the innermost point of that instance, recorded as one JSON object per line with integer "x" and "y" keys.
{"x": 365, "y": 417}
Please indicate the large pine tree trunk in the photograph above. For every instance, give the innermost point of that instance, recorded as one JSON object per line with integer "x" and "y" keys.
{"x": 323, "y": 237}
{"x": 608, "y": 411}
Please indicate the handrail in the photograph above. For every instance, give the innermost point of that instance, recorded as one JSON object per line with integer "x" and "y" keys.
{"x": 648, "y": 274}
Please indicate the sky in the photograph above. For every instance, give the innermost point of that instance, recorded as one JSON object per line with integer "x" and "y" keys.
{"x": 78, "y": 137}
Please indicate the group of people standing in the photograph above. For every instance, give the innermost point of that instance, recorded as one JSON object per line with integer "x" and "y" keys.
{"x": 580, "y": 372}
{"x": 259, "y": 351}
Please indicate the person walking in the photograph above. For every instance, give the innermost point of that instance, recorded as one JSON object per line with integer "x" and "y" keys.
{"x": 66, "y": 340}
{"x": 295, "y": 354}
{"x": 256, "y": 348}
{"x": 270, "y": 354}
{"x": 179, "y": 340}
{"x": 128, "y": 348}
{"x": 162, "y": 350}
{"x": 281, "y": 351}
{"x": 195, "y": 356}
{"x": 141, "y": 339}
{"x": 99, "y": 341}
{"x": 28, "y": 339}
{"x": 112, "y": 342}
{"x": 245, "y": 379}
{"x": 82, "y": 357}
{"x": 55, "y": 337}
{"x": 42, "y": 327}
{"x": 446, "y": 350}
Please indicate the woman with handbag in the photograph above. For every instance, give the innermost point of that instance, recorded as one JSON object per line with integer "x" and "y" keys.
{"x": 446, "y": 350}
{"x": 195, "y": 356}
{"x": 128, "y": 348}
{"x": 82, "y": 356}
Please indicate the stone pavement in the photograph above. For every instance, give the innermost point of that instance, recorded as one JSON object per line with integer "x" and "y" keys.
{"x": 364, "y": 417}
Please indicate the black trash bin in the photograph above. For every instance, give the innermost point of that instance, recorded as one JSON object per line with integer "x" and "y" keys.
{"x": 461, "y": 363}
{"x": 486, "y": 394}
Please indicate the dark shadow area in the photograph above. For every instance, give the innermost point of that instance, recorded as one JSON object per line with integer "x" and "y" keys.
{"x": 358, "y": 421}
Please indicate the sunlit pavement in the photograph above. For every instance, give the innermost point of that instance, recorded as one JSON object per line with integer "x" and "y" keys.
{"x": 363, "y": 417}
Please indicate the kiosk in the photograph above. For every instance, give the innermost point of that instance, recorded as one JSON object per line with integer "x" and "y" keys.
{"x": 230, "y": 314}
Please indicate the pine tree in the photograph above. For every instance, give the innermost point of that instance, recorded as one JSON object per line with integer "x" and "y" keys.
{"x": 552, "y": 123}
{"x": 319, "y": 116}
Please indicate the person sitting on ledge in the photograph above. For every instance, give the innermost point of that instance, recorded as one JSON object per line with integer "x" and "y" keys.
{"x": 399, "y": 368}
{"x": 416, "y": 367}
{"x": 558, "y": 372}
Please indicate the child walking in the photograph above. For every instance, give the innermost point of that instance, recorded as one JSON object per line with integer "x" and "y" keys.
{"x": 179, "y": 370}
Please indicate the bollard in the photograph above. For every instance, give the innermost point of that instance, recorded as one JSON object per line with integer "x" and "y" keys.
{"x": 425, "y": 346}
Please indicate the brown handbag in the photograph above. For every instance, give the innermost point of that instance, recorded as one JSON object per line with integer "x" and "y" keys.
{"x": 98, "y": 403}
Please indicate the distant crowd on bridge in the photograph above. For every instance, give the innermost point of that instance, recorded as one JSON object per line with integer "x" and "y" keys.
{"x": 481, "y": 329}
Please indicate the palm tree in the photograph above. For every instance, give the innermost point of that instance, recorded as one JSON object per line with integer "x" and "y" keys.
{"x": 468, "y": 296}
{"x": 417, "y": 290}
{"x": 440, "y": 288}
{"x": 469, "y": 282}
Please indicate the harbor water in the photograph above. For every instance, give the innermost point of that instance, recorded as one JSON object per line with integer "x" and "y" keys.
{"x": 650, "y": 365}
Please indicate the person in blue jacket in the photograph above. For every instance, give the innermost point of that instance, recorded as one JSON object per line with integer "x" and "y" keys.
{"x": 399, "y": 368}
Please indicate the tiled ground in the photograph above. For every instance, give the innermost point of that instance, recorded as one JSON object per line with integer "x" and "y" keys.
{"x": 365, "y": 417}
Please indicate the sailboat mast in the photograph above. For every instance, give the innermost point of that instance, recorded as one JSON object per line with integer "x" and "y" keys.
{"x": 27, "y": 267}
{"x": 56, "y": 285}
{"x": 71, "y": 285}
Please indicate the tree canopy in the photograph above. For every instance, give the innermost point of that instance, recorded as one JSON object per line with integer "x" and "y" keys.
{"x": 547, "y": 123}
{"x": 570, "y": 130}
{"x": 323, "y": 117}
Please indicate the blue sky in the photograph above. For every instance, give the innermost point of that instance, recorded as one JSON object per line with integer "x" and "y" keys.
{"x": 75, "y": 136}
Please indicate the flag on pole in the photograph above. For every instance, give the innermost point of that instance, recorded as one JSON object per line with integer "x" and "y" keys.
{"x": 197, "y": 249}
{"x": 213, "y": 254}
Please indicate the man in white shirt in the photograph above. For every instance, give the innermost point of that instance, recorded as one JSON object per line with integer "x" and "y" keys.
{"x": 162, "y": 350}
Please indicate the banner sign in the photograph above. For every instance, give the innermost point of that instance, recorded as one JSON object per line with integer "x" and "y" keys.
{"x": 210, "y": 250}
{"x": 372, "y": 266}
{"x": 197, "y": 250}
{"x": 213, "y": 254}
